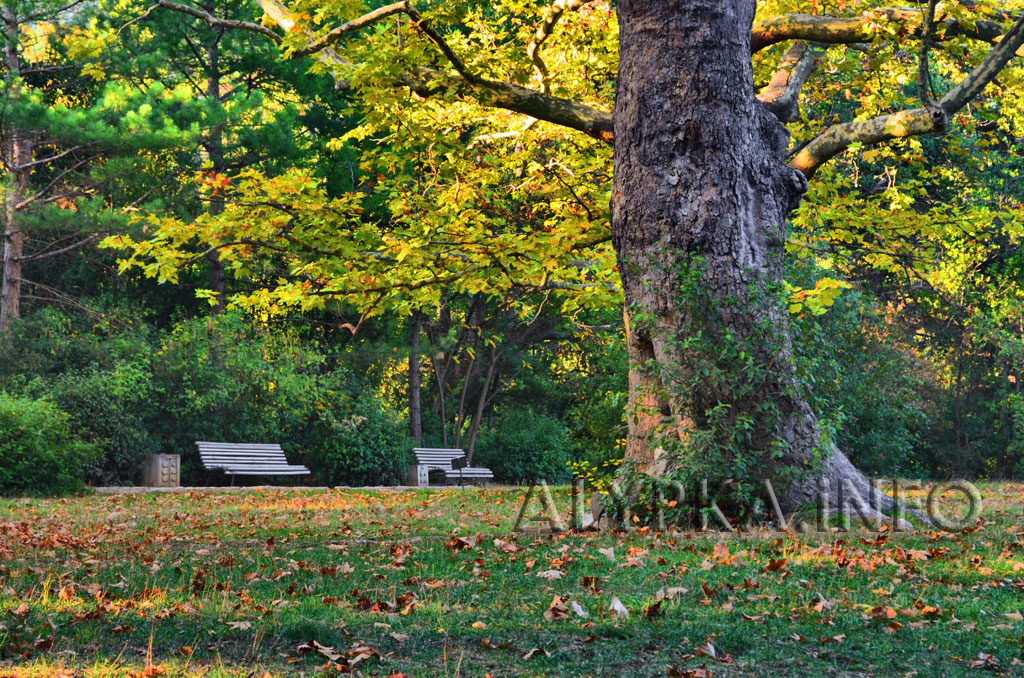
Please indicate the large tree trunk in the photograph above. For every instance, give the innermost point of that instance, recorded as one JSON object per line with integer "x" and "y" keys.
{"x": 19, "y": 154}
{"x": 14, "y": 236}
{"x": 700, "y": 200}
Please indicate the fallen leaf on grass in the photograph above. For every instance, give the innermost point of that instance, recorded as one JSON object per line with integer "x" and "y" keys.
{"x": 818, "y": 603}
{"x": 578, "y": 609}
{"x": 550, "y": 575}
{"x": 607, "y": 553}
{"x": 653, "y": 610}
{"x": 618, "y": 609}
{"x": 536, "y": 652}
{"x": 668, "y": 593}
{"x": 240, "y": 625}
{"x": 461, "y": 543}
{"x": 984, "y": 661}
{"x": 673, "y": 672}
{"x": 883, "y": 613}
{"x": 556, "y": 610}
{"x": 505, "y": 546}
{"x": 313, "y": 646}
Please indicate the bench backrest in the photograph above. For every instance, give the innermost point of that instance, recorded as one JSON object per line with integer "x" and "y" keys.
{"x": 215, "y": 455}
{"x": 441, "y": 458}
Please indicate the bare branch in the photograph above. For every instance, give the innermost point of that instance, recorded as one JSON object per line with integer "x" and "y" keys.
{"x": 544, "y": 31}
{"x": 280, "y": 15}
{"x": 52, "y": 158}
{"x": 220, "y": 23}
{"x": 63, "y": 250}
{"x": 28, "y": 201}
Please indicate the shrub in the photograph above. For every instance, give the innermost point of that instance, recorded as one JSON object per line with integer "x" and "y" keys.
{"x": 526, "y": 447}
{"x": 110, "y": 408}
{"x": 37, "y": 453}
{"x": 364, "y": 446}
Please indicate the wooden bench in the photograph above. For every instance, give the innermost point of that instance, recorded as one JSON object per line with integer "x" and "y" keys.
{"x": 451, "y": 461}
{"x": 247, "y": 459}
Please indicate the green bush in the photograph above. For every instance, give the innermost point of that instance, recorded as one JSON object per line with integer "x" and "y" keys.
{"x": 111, "y": 408}
{"x": 526, "y": 447}
{"x": 37, "y": 453}
{"x": 364, "y": 446}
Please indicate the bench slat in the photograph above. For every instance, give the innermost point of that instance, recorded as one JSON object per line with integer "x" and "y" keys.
{"x": 242, "y": 457}
{"x": 241, "y": 448}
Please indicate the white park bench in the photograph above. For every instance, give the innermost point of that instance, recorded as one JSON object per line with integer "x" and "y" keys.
{"x": 451, "y": 461}
{"x": 247, "y": 459}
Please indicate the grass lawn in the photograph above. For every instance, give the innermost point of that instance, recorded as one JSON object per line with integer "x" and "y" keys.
{"x": 433, "y": 583}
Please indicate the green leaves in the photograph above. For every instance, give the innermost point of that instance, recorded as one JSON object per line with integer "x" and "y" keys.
{"x": 818, "y": 299}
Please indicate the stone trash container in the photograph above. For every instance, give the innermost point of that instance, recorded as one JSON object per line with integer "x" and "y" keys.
{"x": 162, "y": 470}
{"x": 417, "y": 476}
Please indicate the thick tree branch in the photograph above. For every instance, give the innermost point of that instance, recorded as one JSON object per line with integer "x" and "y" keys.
{"x": 444, "y": 47}
{"x": 338, "y": 33}
{"x": 862, "y": 28}
{"x": 564, "y": 112}
{"x": 782, "y": 95}
{"x": 912, "y": 122}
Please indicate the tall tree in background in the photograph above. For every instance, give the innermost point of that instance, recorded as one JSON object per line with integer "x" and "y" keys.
{"x": 78, "y": 150}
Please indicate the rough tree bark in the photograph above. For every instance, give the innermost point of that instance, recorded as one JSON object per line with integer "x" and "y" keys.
{"x": 700, "y": 177}
{"x": 19, "y": 150}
